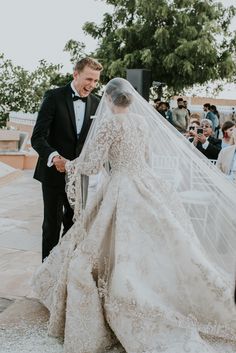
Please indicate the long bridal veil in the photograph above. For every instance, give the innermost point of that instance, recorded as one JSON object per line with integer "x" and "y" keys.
{"x": 209, "y": 199}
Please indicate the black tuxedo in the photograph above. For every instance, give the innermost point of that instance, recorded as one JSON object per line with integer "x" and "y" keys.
{"x": 55, "y": 130}
{"x": 213, "y": 149}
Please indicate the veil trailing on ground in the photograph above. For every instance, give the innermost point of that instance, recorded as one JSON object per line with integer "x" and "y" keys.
{"x": 209, "y": 199}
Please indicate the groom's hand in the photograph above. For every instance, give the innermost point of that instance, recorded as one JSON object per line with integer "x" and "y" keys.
{"x": 59, "y": 163}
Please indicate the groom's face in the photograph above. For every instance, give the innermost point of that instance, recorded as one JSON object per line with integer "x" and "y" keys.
{"x": 86, "y": 80}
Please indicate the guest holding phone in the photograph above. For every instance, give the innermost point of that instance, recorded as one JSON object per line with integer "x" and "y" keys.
{"x": 204, "y": 141}
{"x": 191, "y": 128}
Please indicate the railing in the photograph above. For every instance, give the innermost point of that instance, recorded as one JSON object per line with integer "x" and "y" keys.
{"x": 22, "y": 118}
{"x": 22, "y": 121}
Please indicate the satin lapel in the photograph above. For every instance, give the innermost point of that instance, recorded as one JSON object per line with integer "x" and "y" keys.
{"x": 70, "y": 107}
{"x": 86, "y": 122}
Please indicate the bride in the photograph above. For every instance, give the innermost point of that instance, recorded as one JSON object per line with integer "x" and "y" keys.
{"x": 149, "y": 263}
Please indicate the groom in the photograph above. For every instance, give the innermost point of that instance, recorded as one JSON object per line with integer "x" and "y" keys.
{"x": 60, "y": 131}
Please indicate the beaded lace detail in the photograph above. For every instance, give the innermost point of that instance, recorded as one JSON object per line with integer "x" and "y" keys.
{"x": 130, "y": 275}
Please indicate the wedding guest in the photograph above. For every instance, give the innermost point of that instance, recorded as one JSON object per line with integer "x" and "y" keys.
{"x": 214, "y": 110}
{"x": 180, "y": 116}
{"x": 227, "y": 131}
{"x": 186, "y": 107}
{"x": 157, "y": 101}
{"x": 208, "y": 114}
{"x": 226, "y": 161}
{"x": 162, "y": 109}
{"x": 204, "y": 140}
{"x": 192, "y": 128}
{"x": 194, "y": 117}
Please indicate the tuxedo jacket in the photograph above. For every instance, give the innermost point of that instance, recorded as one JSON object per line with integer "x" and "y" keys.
{"x": 55, "y": 130}
{"x": 213, "y": 149}
{"x": 225, "y": 159}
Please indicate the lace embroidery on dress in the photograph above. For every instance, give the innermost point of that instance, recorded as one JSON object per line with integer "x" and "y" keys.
{"x": 131, "y": 254}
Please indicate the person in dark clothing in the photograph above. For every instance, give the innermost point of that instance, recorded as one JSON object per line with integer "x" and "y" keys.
{"x": 60, "y": 131}
{"x": 205, "y": 142}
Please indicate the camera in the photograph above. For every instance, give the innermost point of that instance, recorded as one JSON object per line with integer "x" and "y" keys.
{"x": 199, "y": 131}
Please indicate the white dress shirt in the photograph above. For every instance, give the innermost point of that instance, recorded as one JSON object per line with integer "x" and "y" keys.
{"x": 79, "y": 108}
{"x": 205, "y": 144}
{"x": 233, "y": 169}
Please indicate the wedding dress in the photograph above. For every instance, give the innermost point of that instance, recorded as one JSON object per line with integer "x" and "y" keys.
{"x": 132, "y": 272}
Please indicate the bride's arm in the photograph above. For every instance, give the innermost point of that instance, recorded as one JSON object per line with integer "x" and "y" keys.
{"x": 95, "y": 151}
{"x": 91, "y": 161}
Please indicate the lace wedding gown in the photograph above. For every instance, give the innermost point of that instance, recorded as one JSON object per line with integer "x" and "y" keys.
{"x": 131, "y": 272}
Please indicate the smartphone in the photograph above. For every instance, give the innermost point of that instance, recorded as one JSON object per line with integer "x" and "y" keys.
{"x": 199, "y": 131}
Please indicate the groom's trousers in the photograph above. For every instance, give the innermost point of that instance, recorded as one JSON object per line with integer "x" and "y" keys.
{"x": 57, "y": 211}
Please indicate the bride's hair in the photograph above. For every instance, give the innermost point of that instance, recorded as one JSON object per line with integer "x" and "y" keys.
{"x": 118, "y": 94}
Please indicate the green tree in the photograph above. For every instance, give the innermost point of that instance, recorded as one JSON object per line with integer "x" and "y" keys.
{"x": 42, "y": 79}
{"x": 183, "y": 42}
{"x": 21, "y": 90}
{"x": 76, "y": 50}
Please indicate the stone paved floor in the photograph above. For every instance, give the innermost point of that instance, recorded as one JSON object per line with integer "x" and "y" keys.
{"x": 23, "y": 320}
{"x": 20, "y": 254}
{"x": 20, "y": 235}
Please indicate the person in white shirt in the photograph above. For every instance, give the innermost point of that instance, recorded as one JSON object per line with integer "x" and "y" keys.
{"x": 227, "y": 131}
{"x": 226, "y": 161}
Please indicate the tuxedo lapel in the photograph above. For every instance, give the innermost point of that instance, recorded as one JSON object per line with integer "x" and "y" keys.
{"x": 70, "y": 106}
{"x": 86, "y": 123}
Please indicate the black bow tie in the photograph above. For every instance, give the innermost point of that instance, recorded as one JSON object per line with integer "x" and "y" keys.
{"x": 75, "y": 98}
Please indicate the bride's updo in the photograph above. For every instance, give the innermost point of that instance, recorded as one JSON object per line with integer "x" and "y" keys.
{"x": 118, "y": 92}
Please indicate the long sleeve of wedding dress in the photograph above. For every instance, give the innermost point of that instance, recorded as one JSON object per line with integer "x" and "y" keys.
{"x": 131, "y": 271}
{"x": 90, "y": 162}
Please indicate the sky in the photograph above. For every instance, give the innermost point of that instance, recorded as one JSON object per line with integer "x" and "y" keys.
{"x": 31, "y": 30}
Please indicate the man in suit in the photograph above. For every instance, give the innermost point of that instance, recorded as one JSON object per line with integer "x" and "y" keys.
{"x": 60, "y": 131}
{"x": 205, "y": 142}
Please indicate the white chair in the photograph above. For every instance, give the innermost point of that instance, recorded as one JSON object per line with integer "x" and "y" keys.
{"x": 167, "y": 167}
{"x": 23, "y": 140}
{"x": 196, "y": 200}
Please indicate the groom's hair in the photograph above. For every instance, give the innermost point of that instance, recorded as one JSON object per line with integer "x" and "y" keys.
{"x": 90, "y": 62}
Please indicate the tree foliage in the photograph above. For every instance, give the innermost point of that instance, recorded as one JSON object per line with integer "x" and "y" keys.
{"x": 183, "y": 42}
{"x": 75, "y": 49}
{"x": 21, "y": 90}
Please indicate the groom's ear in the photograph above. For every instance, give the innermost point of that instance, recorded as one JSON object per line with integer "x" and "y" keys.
{"x": 75, "y": 74}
